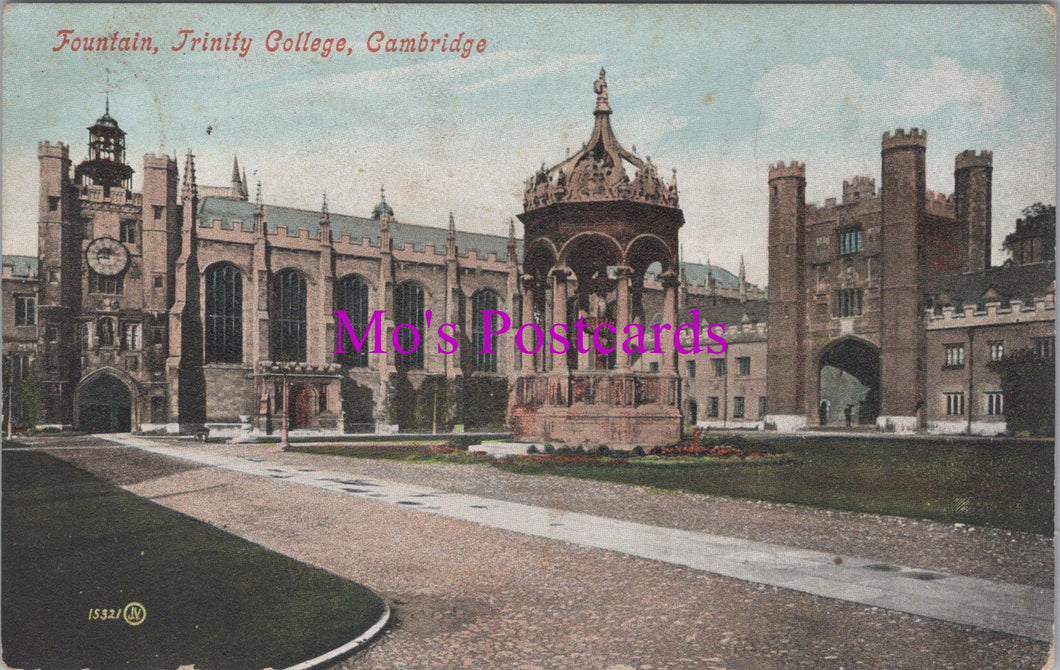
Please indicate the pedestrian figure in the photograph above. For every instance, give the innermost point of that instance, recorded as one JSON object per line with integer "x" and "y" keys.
{"x": 849, "y": 414}
{"x": 822, "y": 412}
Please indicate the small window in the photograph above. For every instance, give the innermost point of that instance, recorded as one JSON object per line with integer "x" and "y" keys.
{"x": 51, "y": 332}
{"x": 954, "y": 356}
{"x": 1044, "y": 346}
{"x": 997, "y": 350}
{"x": 690, "y": 367}
{"x": 132, "y": 363}
{"x": 53, "y": 276}
{"x": 158, "y": 335}
{"x": 738, "y": 407}
{"x": 849, "y": 241}
{"x": 322, "y": 399}
{"x": 763, "y": 405}
{"x": 84, "y": 336}
{"x": 159, "y": 212}
{"x": 128, "y": 231}
{"x": 132, "y": 337}
{"x": 160, "y": 281}
{"x": 743, "y": 365}
{"x": 653, "y": 366}
{"x": 995, "y": 403}
{"x": 53, "y": 203}
{"x": 848, "y": 302}
{"x": 954, "y": 403}
{"x": 719, "y": 367}
{"x": 106, "y": 285}
{"x": 713, "y": 406}
{"x": 25, "y": 310}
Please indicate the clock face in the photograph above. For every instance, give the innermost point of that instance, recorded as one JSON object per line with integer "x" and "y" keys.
{"x": 107, "y": 256}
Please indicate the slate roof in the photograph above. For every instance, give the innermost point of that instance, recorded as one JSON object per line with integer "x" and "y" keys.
{"x": 356, "y": 227}
{"x": 21, "y": 266}
{"x": 732, "y": 314}
{"x": 1022, "y": 282}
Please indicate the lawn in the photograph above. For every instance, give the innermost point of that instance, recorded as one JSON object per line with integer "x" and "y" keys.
{"x": 77, "y": 550}
{"x": 1001, "y": 483}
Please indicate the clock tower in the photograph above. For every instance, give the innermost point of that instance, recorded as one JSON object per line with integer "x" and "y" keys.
{"x": 106, "y": 254}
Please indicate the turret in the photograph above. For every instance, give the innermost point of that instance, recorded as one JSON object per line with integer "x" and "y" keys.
{"x": 972, "y": 178}
{"x": 106, "y": 165}
{"x": 160, "y": 234}
{"x": 787, "y": 222}
{"x": 902, "y": 202}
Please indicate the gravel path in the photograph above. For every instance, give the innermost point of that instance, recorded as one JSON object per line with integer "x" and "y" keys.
{"x": 467, "y": 596}
{"x": 988, "y": 553}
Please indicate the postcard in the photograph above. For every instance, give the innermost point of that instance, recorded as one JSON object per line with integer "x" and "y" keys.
{"x": 528, "y": 336}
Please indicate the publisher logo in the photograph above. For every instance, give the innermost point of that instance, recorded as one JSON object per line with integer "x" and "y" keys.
{"x": 134, "y": 614}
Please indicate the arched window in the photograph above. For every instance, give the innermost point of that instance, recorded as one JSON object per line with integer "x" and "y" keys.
{"x": 287, "y": 316}
{"x": 224, "y": 314}
{"x": 351, "y": 296}
{"x": 408, "y": 308}
{"x": 482, "y": 361}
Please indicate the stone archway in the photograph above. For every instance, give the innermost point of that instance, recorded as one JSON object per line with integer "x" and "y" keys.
{"x": 849, "y": 376}
{"x": 104, "y": 405}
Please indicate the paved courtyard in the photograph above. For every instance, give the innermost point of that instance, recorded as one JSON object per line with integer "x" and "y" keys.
{"x": 470, "y": 595}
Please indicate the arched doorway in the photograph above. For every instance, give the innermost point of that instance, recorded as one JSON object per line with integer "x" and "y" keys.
{"x": 849, "y": 377}
{"x": 104, "y": 406}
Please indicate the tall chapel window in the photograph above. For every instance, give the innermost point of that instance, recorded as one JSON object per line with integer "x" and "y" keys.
{"x": 224, "y": 314}
{"x": 287, "y": 316}
{"x": 484, "y": 300}
{"x": 408, "y": 307}
{"x": 351, "y": 296}
{"x": 128, "y": 230}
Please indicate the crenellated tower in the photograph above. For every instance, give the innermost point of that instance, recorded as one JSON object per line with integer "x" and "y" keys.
{"x": 787, "y": 325}
{"x": 972, "y": 178}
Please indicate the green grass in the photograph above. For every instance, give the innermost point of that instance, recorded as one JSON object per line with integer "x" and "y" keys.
{"x": 1000, "y": 483}
{"x": 72, "y": 543}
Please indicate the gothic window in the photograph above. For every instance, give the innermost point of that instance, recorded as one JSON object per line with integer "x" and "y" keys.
{"x": 849, "y": 241}
{"x": 484, "y": 300}
{"x": 713, "y": 407}
{"x": 719, "y": 367}
{"x": 954, "y": 403}
{"x": 128, "y": 230}
{"x": 848, "y": 302}
{"x": 995, "y": 403}
{"x": 106, "y": 285}
{"x": 132, "y": 337}
{"x": 105, "y": 332}
{"x": 287, "y": 316}
{"x": 954, "y": 356}
{"x": 25, "y": 310}
{"x": 351, "y": 296}
{"x": 84, "y": 336}
{"x": 224, "y": 314}
{"x": 997, "y": 350}
{"x": 1045, "y": 347}
{"x": 408, "y": 307}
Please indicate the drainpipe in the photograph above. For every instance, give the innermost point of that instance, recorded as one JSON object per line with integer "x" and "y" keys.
{"x": 971, "y": 376}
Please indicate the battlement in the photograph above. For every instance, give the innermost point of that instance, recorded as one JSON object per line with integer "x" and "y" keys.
{"x": 1043, "y": 308}
{"x": 857, "y": 188}
{"x": 780, "y": 171}
{"x": 163, "y": 161}
{"x": 900, "y": 139}
{"x": 971, "y": 159}
{"x": 57, "y": 150}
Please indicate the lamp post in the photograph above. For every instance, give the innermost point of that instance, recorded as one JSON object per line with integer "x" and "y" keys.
{"x": 286, "y": 414}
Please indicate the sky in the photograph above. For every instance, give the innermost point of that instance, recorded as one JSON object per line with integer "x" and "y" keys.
{"x": 717, "y": 92}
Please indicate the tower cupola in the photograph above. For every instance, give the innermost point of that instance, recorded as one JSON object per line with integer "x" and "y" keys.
{"x": 105, "y": 165}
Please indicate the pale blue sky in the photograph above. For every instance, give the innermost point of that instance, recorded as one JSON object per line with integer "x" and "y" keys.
{"x": 717, "y": 92}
